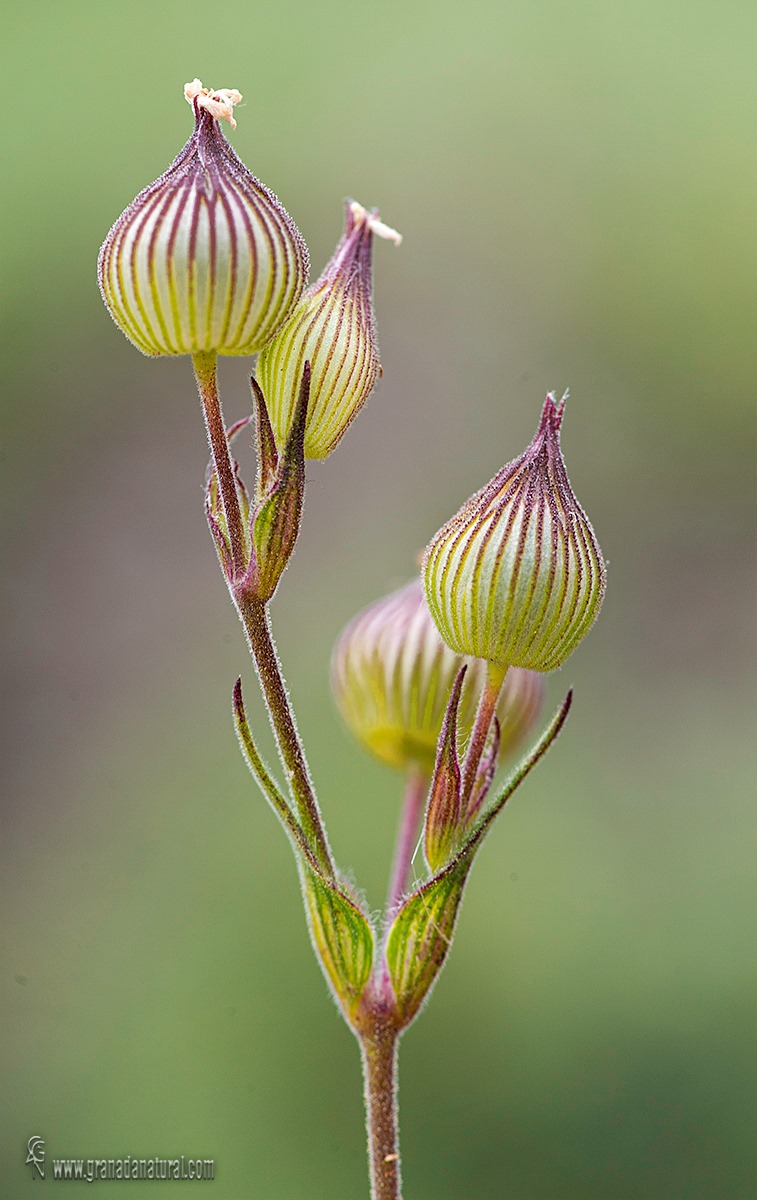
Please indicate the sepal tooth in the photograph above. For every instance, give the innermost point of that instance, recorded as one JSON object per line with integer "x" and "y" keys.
{"x": 277, "y": 515}
{"x": 267, "y": 454}
{"x": 443, "y": 812}
{"x": 214, "y": 511}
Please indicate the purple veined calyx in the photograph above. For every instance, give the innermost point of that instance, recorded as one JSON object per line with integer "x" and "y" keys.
{"x": 206, "y": 259}
{"x": 391, "y": 675}
{"x": 517, "y": 576}
{"x": 333, "y": 327}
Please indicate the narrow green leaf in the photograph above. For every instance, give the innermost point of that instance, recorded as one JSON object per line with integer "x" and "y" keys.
{"x": 265, "y": 782}
{"x": 342, "y": 937}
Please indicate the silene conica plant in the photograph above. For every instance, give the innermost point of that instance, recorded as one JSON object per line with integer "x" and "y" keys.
{"x": 440, "y": 679}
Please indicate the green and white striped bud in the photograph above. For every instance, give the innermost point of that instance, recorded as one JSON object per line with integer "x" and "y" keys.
{"x": 333, "y": 327}
{"x": 392, "y": 676}
{"x": 517, "y": 576}
{"x": 205, "y": 258}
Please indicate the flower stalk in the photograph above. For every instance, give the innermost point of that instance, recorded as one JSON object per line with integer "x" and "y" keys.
{"x": 487, "y": 707}
{"x": 206, "y": 374}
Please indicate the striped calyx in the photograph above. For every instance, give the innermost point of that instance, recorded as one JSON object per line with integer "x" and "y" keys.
{"x": 517, "y": 576}
{"x": 205, "y": 258}
{"x": 333, "y": 327}
{"x": 392, "y": 676}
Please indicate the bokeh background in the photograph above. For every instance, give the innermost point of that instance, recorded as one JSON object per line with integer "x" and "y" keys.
{"x": 576, "y": 185}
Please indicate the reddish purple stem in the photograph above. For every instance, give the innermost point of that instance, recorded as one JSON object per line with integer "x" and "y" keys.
{"x": 407, "y": 837}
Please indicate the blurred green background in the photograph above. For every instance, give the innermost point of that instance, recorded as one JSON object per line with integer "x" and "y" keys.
{"x": 576, "y": 185}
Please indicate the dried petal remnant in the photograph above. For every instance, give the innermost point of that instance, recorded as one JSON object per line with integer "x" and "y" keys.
{"x": 220, "y": 104}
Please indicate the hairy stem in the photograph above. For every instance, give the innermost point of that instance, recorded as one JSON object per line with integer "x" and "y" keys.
{"x": 207, "y": 383}
{"x": 254, "y": 614}
{"x": 379, "y": 1045}
{"x": 407, "y": 837}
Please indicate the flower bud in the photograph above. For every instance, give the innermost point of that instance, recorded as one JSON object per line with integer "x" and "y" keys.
{"x": 333, "y": 327}
{"x": 205, "y": 258}
{"x": 517, "y": 576}
{"x": 392, "y": 676}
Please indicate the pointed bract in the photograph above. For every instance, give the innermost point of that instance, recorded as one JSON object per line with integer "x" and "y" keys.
{"x": 267, "y": 455}
{"x": 214, "y": 510}
{"x": 443, "y": 811}
{"x": 276, "y": 519}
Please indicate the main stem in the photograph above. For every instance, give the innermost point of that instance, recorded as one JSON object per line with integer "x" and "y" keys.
{"x": 254, "y": 614}
{"x": 379, "y": 1045}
